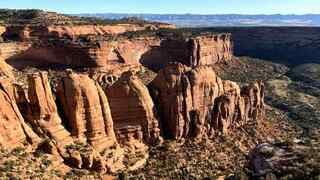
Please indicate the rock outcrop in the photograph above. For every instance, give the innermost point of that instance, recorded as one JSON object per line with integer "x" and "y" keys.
{"x": 86, "y": 108}
{"x": 200, "y": 50}
{"x": 105, "y": 54}
{"x": 14, "y": 132}
{"x": 11, "y": 49}
{"x": 5, "y": 69}
{"x": 44, "y": 113}
{"x": 108, "y": 54}
{"x": 196, "y": 102}
{"x": 131, "y": 106}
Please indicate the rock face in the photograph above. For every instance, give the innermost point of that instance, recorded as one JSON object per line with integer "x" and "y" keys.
{"x": 87, "y": 109}
{"x": 5, "y": 69}
{"x": 106, "y": 54}
{"x": 44, "y": 112}
{"x": 196, "y": 102}
{"x": 131, "y": 106}
{"x": 200, "y": 50}
{"x": 14, "y": 131}
{"x": 90, "y": 51}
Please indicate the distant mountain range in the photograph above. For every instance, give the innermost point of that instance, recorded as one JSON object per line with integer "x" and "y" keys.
{"x": 192, "y": 20}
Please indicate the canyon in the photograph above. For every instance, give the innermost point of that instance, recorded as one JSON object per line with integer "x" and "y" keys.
{"x": 93, "y": 126}
{"x": 130, "y": 97}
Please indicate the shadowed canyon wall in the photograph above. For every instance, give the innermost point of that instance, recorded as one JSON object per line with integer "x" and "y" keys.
{"x": 290, "y": 45}
{"x": 152, "y": 52}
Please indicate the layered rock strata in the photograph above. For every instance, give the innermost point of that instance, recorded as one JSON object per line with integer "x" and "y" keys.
{"x": 196, "y": 102}
{"x": 11, "y": 49}
{"x": 200, "y": 50}
{"x": 132, "y": 109}
{"x": 30, "y": 32}
{"x": 105, "y": 53}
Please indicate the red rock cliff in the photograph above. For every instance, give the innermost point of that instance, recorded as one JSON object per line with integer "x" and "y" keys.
{"x": 200, "y": 50}
{"x": 196, "y": 102}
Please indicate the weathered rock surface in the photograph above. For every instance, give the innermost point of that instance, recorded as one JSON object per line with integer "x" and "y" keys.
{"x": 100, "y": 52}
{"x": 200, "y": 50}
{"x": 44, "y": 113}
{"x": 89, "y": 120}
{"x": 131, "y": 106}
{"x": 10, "y": 49}
{"x": 87, "y": 109}
{"x": 14, "y": 131}
{"x": 5, "y": 69}
{"x": 196, "y": 102}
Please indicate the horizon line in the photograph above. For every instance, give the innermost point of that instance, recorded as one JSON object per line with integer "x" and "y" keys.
{"x": 163, "y": 13}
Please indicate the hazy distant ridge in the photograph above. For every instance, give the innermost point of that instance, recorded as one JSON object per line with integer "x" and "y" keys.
{"x": 192, "y": 20}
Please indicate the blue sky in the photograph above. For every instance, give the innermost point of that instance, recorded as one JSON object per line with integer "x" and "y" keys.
{"x": 170, "y": 6}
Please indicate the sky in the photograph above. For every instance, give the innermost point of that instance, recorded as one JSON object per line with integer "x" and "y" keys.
{"x": 170, "y": 6}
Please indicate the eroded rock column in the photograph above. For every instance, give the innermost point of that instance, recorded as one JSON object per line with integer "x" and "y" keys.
{"x": 14, "y": 132}
{"x": 196, "y": 102}
{"x": 86, "y": 108}
{"x": 132, "y": 108}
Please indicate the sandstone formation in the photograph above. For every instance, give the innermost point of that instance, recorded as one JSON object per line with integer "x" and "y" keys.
{"x": 5, "y": 69}
{"x": 200, "y": 50}
{"x": 87, "y": 109}
{"x": 109, "y": 54}
{"x": 132, "y": 108}
{"x": 14, "y": 131}
{"x": 45, "y": 113}
{"x": 196, "y": 102}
